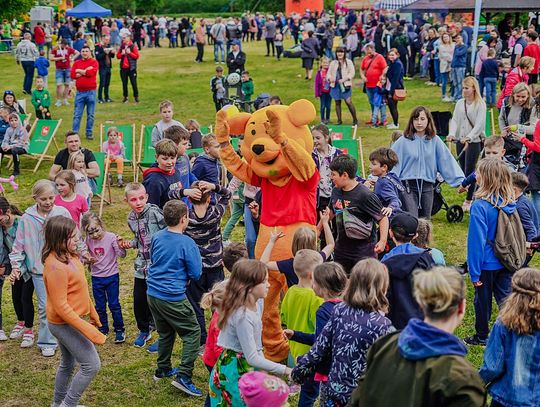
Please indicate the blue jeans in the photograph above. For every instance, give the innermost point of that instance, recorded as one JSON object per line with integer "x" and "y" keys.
{"x": 326, "y": 105}
{"x": 45, "y": 337}
{"x": 491, "y": 90}
{"x": 251, "y": 234}
{"x": 218, "y": 46}
{"x": 444, "y": 82}
{"x": 458, "y": 74}
{"x": 309, "y": 393}
{"x": 370, "y": 95}
{"x": 375, "y": 114}
{"x": 88, "y": 99}
{"x": 28, "y": 67}
{"x": 107, "y": 289}
{"x": 437, "y": 65}
{"x": 494, "y": 283}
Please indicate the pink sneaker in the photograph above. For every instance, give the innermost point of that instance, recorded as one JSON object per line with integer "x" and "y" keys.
{"x": 17, "y": 331}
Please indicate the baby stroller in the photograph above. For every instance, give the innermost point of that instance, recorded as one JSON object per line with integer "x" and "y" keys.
{"x": 454, "y": 213}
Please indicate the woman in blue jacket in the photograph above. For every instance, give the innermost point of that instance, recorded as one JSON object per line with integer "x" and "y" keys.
{"x": 394, "y": 77}
{"x": 488, "y": 275}
{"x": 421, "y": 156}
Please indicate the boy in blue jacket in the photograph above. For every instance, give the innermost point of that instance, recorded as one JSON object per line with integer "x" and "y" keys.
{"x": 163, "y": 178}
{"x": 207, "y": 167}
{"x": 175, "y": 260}
{"x": 180, "y": 136}
{"x": 388, "y": 186}
{"x": 458, "y": 65}
{"x": 42, "y": 66}
{"x": 525, "y": 208}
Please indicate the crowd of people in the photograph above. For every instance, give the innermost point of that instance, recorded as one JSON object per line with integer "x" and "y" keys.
{"x": 370, "y": 304}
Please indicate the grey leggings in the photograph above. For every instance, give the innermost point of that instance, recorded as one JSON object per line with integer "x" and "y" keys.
{"x": 75, "y": 348}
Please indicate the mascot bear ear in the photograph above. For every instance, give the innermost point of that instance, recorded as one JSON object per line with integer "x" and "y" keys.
{"x": 301, "y": 112}
{"x": 238, "y": 122}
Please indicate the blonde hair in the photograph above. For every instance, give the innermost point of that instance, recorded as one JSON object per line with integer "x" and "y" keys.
{"x": 439, "y": 291}
{"x": 424, "y": 234}
{"x": 41, "y": 187}
{"x": 165, "y": 103}
{"x": 521, "y": 310}
{"x": 520, "y": 87}
{"x": 68, "y": 176}
{"x": 112, "y": 129}
{"x": 214, "y": 297}
{"x": 494, "y": 141}
{"x": 208, "y": 139}
{"x": 304, "y": 238}
{"x": 305, "y": 261}
{"x": 472, "y": 82}
{"x": 193, "y": 123}
{"x": 73, "y": 157}
{"x": 526, "y": 62}
{"x": 495, "y": 184}
{"x": 133, "y": 186}
{"x": 367, "y": 286}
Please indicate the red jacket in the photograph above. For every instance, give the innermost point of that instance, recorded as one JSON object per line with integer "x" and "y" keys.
{"x": 39, "y": 35}
{"x": 127, "y": 61}
{"x": 514, "y": 77}
{"x": 87, "y": 81}
{"x": 373, "y": 67}
{"x": 211, "y": 350}
{"x": 533, "y": 50}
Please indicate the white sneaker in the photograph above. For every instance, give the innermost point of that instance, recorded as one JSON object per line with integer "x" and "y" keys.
{"x": 17, "y": 331}
{"x": 48, "y": 352}
{"x": 58, "y": 103}
{"x": 66, "y": 103}
{"x": 447, "y": 99}
{"x": 3, "y": 336}
{"x": 28, "y": 340}
{"x": 392, "y": 126}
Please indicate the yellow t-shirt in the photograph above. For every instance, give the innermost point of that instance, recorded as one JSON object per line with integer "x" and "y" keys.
{"x": 298, "y": 311}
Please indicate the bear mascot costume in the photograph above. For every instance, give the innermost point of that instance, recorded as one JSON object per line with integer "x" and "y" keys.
{"x": 277, "y": 158}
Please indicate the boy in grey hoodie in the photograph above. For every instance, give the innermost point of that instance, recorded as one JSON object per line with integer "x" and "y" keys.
{"x": 144, "y": 220}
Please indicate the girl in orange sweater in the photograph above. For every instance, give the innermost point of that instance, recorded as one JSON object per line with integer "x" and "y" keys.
{"x": 68, "y": 306}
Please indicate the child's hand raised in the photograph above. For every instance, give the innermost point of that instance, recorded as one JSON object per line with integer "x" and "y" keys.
{"x": 386, "y": 212}
{"x": 193, "y": 193}
{"x": 276, "y": 235}
{"x": 325, "y": 215}
{"x": 288, "y": 333}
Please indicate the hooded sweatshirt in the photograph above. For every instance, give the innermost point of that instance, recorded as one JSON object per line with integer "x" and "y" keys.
{"x": 29, "y": 240}
{"x": 430, "y": 369}
{"x": 482, "y": 229}
{"x": 207, "y": 168}
{"x": 388, "y": 188}
{"x": 401, "y": 261}
{"x": 16, "y": 137}
{"x": 144, "y": 225}
{"x": 421, "y": 159}
{"x": 159, "y": 184}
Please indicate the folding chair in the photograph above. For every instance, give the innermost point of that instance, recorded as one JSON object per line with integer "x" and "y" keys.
{"x": 353, "y": 148}
{"x": 341, "y": 132}
{"x": 206, "y": 129}
{"x": 42, "y": 134}
{"x": 101, "y": 181}
{"x": 126, "y": 133}
{"x": 147, "y": 153}
{"x": 490, "y": 123}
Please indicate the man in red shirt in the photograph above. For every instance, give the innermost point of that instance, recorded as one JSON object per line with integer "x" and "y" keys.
{"x": 62, "y": 55}
{"x": 39, "y": 36}
{"x": 128, "y": 53}
{"x": 373, "y": 66}
{"x": 533, "y": 50}
{"x": 84, "y": 72}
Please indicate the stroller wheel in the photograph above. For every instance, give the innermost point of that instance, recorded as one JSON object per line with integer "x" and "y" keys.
{"x": 454, "y": 214}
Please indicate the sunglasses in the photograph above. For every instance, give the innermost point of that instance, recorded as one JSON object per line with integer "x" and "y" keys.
{"x": 9, "y": 92}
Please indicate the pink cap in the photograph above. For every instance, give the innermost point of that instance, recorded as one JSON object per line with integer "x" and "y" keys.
{"x": 259, "y": 389}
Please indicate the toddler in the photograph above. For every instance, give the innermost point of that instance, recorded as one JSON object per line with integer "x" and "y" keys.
{"x": 104, "y": 251}
{"x": 74, "y": 203}
{"x": 322, "y": 90}
{"x": 379, "y": 103}
{"x": 77, "y": 165}
{"x": 116, "y": 152}
{"x": 41, "y": 99}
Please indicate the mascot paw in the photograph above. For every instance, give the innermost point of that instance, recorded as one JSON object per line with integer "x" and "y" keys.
{"x": 222, "y": 128}
{"x": 273, "y": 127}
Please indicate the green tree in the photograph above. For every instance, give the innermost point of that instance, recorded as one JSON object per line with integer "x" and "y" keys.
{"x": 15, "y": 8}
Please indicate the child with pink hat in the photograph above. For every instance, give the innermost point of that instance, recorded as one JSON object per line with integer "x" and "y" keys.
{"x": 259, "y": 389}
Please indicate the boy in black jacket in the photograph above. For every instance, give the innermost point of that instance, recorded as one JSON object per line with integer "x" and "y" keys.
{"x": 401, "y": 261}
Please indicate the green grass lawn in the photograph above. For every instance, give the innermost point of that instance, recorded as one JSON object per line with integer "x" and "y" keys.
{"x": 126, "y": 374}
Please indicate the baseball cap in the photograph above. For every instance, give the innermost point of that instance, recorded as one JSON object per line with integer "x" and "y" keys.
{"x": 236, "y": 42}
{"x": 406, "y": 223}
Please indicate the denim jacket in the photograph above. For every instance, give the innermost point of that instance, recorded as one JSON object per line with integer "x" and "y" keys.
{"x": 511, "y": 367}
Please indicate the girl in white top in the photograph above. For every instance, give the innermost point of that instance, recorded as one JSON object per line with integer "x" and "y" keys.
{"x": 241, "y": 331}
{"x": 446, "y": 53}
{"x": 77, "y": 165}
{"x": 467, "y": 129}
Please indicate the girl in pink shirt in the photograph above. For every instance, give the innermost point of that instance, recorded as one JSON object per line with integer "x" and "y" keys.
{"x": 74, "y": 203}
{"x": 115, "y": 150}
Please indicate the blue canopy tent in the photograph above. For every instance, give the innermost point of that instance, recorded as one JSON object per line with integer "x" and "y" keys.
{"x": 88, "y": 9}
